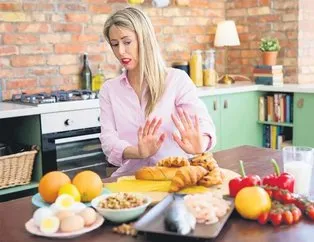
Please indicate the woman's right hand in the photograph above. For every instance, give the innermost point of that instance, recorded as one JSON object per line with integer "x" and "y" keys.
{"x": 149, "y": 140}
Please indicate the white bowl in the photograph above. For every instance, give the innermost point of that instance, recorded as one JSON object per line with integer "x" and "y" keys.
{"x": 120, "y": 215}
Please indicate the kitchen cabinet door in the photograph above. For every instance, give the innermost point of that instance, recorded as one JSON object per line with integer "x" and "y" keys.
{"x": 239, "y": 115}
{"x": 303, "y": 119}
{"x": 213, "y": 106}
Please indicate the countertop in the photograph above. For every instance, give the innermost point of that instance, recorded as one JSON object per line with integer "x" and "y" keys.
{"x": 15, "y": 213}
{"x": 9, "y": 110}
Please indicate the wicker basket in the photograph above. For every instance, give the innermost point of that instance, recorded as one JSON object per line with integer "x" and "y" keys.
{"x": 16, "y": 169}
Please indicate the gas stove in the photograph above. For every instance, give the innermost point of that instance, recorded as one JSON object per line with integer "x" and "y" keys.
{"x": 54, "y": 97}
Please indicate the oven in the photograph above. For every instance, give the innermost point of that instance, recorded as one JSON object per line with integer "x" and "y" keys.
{"x": 70, "y": 143}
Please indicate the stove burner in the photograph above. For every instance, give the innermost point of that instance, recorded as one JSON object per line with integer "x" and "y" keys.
{"x": 54, "y": 96}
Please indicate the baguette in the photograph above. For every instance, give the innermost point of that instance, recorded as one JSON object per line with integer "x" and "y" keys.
{"x": 156, "y": 173}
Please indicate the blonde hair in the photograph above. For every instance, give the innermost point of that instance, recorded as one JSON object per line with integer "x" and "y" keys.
{"x": 151, "y": 65}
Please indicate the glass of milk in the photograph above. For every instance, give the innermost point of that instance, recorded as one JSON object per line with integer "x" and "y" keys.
{"x": 298, "y": 161}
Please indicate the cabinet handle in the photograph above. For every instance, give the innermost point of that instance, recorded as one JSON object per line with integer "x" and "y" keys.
{"x": 215, "y": 105}
{"x": 300, "y": 103}
{"x": 225, "y": 104}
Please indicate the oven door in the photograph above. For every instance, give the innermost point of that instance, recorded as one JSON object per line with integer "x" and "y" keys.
{"x": 74, "y": 151}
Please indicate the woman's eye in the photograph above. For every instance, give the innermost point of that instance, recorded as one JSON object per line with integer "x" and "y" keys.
{"x": 114, "y": 45}
{"x": 127, "y": 43}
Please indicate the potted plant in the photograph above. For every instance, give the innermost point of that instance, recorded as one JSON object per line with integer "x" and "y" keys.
{"x": 270, "y": 48}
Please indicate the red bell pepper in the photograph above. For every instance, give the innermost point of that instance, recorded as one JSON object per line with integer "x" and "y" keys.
{"x": 236, "y": 184}
{"x": 280, "y": 180}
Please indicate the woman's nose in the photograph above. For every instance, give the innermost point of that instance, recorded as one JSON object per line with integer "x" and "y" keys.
{"x": 121, "y": 49}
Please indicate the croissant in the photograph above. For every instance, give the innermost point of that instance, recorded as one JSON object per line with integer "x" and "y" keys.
{"x": 214, "y": 177}
{"x": 155, "y": 173}
{"x": 187, "y": 176}
{"x": 173, "y": 161}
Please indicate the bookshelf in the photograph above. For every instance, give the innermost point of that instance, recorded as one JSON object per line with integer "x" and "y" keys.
{"x": 276, "y": 117}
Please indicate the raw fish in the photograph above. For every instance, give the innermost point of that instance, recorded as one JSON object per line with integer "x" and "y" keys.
{"x": 179, "y": 219}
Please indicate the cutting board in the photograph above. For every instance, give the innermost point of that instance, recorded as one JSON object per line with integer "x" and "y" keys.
{"x": 158, "y": 190}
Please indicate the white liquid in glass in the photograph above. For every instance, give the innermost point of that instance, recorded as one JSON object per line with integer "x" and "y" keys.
{"x": 302, "y": 172}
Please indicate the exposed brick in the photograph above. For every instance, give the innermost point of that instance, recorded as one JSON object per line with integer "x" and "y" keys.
{"x": 70, "y": 69}
{"x": 10, "y": 7}
{"x": 33, "y": 28}
{"x": 99, "y": 18}
{"x": 77, "y": 17}
{"x": 74, "y": 28}
{"x": 21, "y": 83}
{"x": 13, "y": 72}
{"x": 72, "y": 7}
{"x": 8, "y": 50}
{"x": 259, "y": 11}
{"x": 236, "y": 12}
{"x": 55, "y": 38}
{"x": 61, "y": 60}
{"x": 36, "y": 49}
{"x": 36, "y": 6}
{"x": 27, "y": 60}
{"x": 104, "y": 8}
{"x": 69, "y": 48}
{"x": 6, "y": 27}
{"x": 20, "y": 39}
{"x": 4, "y": 62}
{"x": 43, "y": 71}
{"x": 85, "y": 38}
{"x": 14, "y": 17}
{"x": 47, "y": 81}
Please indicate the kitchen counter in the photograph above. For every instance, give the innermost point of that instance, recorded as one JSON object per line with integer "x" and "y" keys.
{"x": 15, "y": 213}
{"x": 8, "y": 110}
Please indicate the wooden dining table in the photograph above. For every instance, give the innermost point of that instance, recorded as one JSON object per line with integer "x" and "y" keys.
{"x": 14, "y": 214}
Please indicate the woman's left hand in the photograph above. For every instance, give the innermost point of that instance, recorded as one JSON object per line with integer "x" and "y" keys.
{"x": 191, "y": 138}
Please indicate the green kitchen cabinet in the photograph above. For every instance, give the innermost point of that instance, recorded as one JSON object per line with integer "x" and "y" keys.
{"x": 303, "y": 119}
{"x": 239, "y": 112}
{"x": 235, "y": 117}
{"x": 213, "y": 103}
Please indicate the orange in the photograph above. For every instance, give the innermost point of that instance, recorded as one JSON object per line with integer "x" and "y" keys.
{"x": 50, "y": 184}
{"x": 89, "y": 185}
{"x": 250, "y": 202}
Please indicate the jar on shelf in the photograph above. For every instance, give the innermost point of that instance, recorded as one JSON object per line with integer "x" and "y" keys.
{"x": 210, "y": 76}
{"x": 196, "y": 68}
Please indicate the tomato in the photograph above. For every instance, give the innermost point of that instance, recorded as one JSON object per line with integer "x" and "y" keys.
{"x": 296, "y": 213}
{"x": 275, "y": 218}
{"x": 287, "y": 217}
{"x": 310, "y": 212}
{"x": 263, "y": 218}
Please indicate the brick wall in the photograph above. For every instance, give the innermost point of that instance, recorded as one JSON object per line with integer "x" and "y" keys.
{"x": 41, "y": 41}
{"x": 261, "y": 18}
{"x": 306, "y": 41}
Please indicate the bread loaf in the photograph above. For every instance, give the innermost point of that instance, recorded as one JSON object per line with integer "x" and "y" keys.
{"x": 187, "y": 176}
{"x": 156, "y": 173}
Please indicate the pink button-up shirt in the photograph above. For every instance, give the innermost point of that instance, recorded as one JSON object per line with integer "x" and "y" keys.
{"x": 122, "y": 114}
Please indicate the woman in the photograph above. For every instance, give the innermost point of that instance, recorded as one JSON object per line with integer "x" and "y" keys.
{"x": 149, "y": 112}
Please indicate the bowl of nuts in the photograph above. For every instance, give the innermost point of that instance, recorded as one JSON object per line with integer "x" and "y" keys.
{"x": 121, "y": 207}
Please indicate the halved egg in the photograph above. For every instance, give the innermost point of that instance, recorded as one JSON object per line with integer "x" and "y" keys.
{"x": 40, "y": 214}
{"x": 50, "y": 225}
{"x": 65, "y": 202}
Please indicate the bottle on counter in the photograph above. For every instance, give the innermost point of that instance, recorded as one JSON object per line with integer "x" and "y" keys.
{"x": 196, "y": 68}
{"x": 98, "y": 79}
{"x": 210, "y": 76}
{"x": 86, "y": 74}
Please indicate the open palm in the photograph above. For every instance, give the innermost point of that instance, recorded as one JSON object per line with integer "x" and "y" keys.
{"x": 149, "y": 141}
{"x": 191, "y": 137}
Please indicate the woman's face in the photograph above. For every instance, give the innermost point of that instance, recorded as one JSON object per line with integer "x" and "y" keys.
{"x": 125, "y": 46}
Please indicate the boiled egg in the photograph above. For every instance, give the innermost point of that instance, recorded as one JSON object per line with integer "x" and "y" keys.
{"x": 40, "y": 214}
{"x": 50, "y": 225}
{"x": 65, "y": 202}
{"x": 78, "y": 207}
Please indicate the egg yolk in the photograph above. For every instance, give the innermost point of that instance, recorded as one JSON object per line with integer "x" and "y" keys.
{"x": 48, "y": 223}
{"x": 67, "y": 202}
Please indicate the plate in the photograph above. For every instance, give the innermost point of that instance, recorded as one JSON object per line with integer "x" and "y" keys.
{"x": 33, "y": 229}
{"x": 153, "y": 221}
{"x": 38, "y": 201}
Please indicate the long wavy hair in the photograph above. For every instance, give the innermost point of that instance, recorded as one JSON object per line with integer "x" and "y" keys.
{"x": 152, "y": 67}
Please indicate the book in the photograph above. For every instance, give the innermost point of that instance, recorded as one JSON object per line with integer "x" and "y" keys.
{"x": 262, "y": 108}
{"x": 266, "y": 71}
{"x": 270, "y": 108}
{"x": 275, "y": 67}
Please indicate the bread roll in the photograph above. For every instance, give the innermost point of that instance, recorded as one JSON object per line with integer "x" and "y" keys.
{"x": 156, "y": 173}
